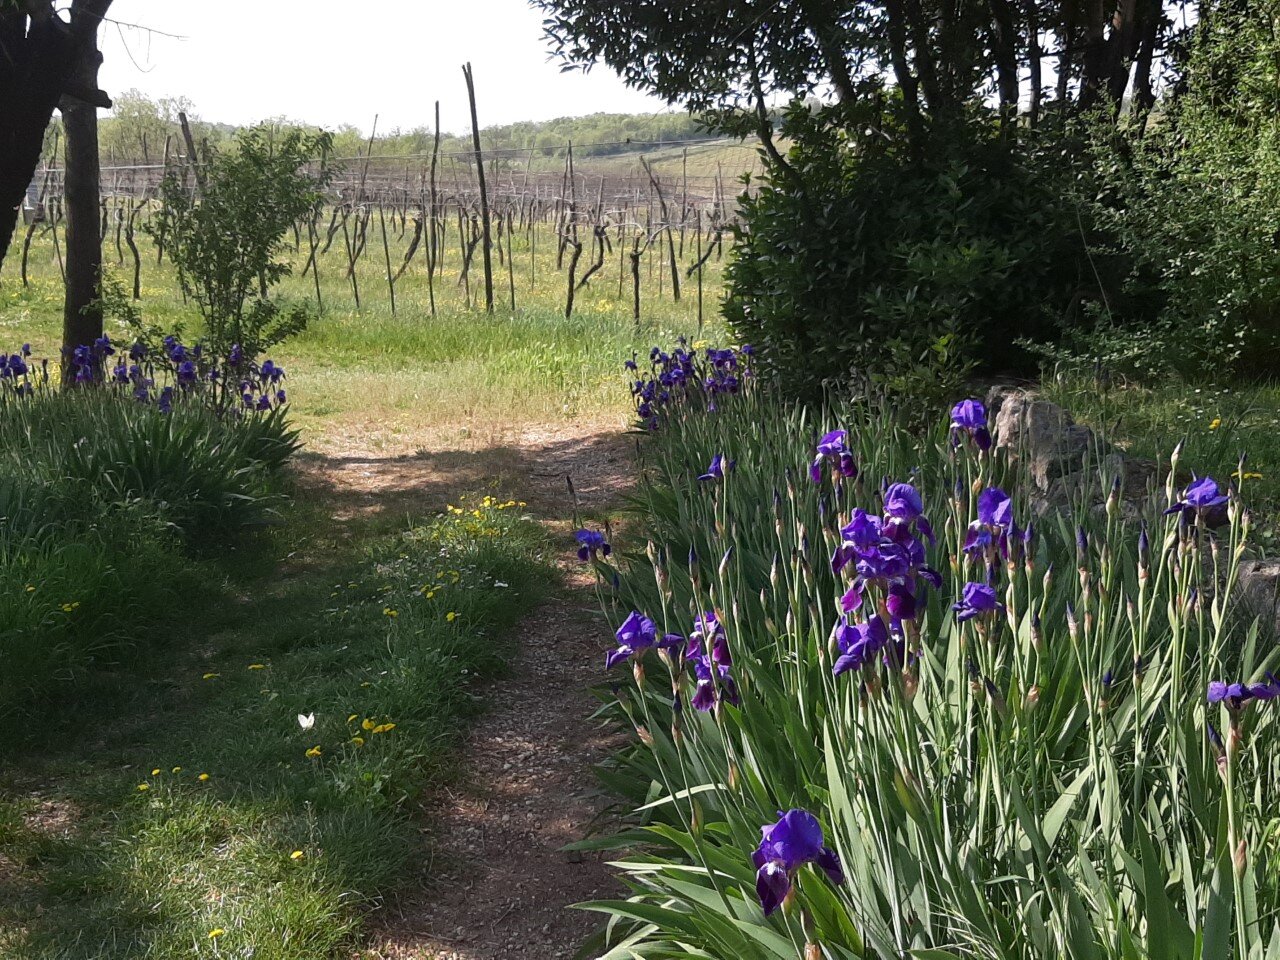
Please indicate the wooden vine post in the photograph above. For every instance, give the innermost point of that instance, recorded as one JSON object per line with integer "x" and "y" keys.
{"x": 484, "y": 194}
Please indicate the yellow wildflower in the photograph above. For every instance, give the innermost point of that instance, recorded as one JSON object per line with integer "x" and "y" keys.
{"x": 367, "y": 724}
{"x": 296, "y": 855}
{"x": 176, "y": 770}
{"x": 387, "y": 611}
{"x": 384, "y": 728}
{"x": 358, "y": 740}
{"x": 352, "y": 717}
{"x": 211, "y": 676}
{"x": 155, "y": 772}
{"x": 313, "y": 753}
{"x": 257, "y": 666}
{"x": 1217, "y": 422}
{"x": 144, "y": 787}
{"x": 216, "y": 932}
{"x": 203, "y": 777}
{"x": 451, "y": 616}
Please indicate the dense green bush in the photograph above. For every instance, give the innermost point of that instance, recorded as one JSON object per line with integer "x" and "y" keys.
{"x": 908, "y": 272}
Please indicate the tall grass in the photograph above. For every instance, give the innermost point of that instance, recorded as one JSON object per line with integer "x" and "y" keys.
{"x": 1046, "y": 779}
{"x": 104, "y": 501}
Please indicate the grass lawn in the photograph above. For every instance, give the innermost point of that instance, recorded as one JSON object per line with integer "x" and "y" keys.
{"x": 172, "y": 804}
{"x": 1217, "y": 425}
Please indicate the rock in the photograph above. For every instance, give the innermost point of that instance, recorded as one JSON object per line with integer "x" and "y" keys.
{"x": 1041, "y": 433}
{"x": 1260, "y": 589}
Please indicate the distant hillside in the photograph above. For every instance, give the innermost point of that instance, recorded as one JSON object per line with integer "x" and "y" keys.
{"x": 136, "y": 129}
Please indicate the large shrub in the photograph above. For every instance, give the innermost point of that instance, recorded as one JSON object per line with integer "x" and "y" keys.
{"x": 861, "y": 261}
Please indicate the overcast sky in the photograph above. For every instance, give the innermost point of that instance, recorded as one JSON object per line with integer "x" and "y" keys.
{"x": 330, "y": 62}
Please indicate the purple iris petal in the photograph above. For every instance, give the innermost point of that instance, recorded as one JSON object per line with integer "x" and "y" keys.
{"x": 902, "y": 501}
{"x": 969, "y": 415}
{"x": 785, "y": 846}
{"x": 976, "y": 599}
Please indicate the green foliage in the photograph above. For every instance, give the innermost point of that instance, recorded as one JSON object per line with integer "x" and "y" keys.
{"x": 1187, "y": 219}
{"x": 857, "y": 262}
{"x": 1039, "y": 783}
{"x": 99, "y": 495}
{"x": 226, "y": 237}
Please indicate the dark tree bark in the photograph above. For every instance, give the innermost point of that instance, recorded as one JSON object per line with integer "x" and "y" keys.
{"x": 1034, "y": 69}
{"x": 1004, "y": 45}
{"x": 81, "y": 317}
{"x": 37, "y": 52}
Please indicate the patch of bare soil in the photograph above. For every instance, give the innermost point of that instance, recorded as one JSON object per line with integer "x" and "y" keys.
{"x": 497, "y": 882}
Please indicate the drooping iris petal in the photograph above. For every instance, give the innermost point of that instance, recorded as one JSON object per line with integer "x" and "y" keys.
{"x": 772, "y": 886}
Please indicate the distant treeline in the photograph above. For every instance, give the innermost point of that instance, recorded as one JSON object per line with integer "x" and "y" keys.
{"x": 136, "y": 130}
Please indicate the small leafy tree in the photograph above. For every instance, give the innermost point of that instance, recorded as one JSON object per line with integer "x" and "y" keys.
{"x": 226, "y": 236}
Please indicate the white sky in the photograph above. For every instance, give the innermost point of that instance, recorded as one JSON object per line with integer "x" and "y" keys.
{"x": 329, "y": 62}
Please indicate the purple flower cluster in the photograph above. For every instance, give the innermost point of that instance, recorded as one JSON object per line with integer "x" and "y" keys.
{"x": 683, "y": 374}
{"x": 705, "y": 653}
{"x": 174, "y": 371}
{"x": 887, "y": 555}
{"x": 833, "y": 448}
{"x": 14, "y": 367}
{"x": 786, "y": 846}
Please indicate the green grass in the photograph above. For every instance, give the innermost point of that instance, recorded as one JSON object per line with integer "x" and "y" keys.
{"x": 298, "y": 620}
{"x": 413, "y": 380}
{"x": 1216, "y": 424}
{"x": 159, "y": 858}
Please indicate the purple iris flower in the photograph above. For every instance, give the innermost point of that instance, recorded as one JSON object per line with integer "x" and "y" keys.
{"x": 859, "y": 644}
{"x": 712, "y": 684}
{"x": 1235, "y": 695}
{"x": 994, "y": 523}
{"x": 1204, "y": 501}
{"x": 786, "y": 846}
{"x": 637, "y": 634}
{"x": 834, "y": 449}
{"x": 138, "y": 351}
{"x": 591, "y": 543}
{"x": 187, "y": 372}
{"x": 708, "y": 632}
{"x": 969, "y": 417}
{"x": 718, "y": 467}
{"x": 977, "y": 599}
{"x": 236, "y": 356}
{"x": 165, "y": 403}
{"x": 902, "y": 502}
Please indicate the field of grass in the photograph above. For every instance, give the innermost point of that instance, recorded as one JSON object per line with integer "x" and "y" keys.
{"x": 378, "y": 382}
{"x": 1217, "y": 425}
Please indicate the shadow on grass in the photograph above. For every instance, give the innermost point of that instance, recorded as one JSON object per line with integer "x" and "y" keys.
{"x": 177, "y": 795}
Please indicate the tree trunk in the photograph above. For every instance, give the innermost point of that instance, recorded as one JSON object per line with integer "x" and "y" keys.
{"x": 81, "y": 318}
{"x": 34, "y": 67}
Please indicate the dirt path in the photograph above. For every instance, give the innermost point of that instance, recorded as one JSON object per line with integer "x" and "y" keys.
{"x": 497, "y": 882}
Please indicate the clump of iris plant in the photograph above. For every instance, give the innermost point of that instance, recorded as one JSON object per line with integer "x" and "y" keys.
{"x": 166, "y": 374}
{"x": 786, "y": 846}
{"x": 969, "y": 421}
{"x": 685, "y": 376}
{"x": 591, "y": 543}
{"x": 833, "y": 448}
